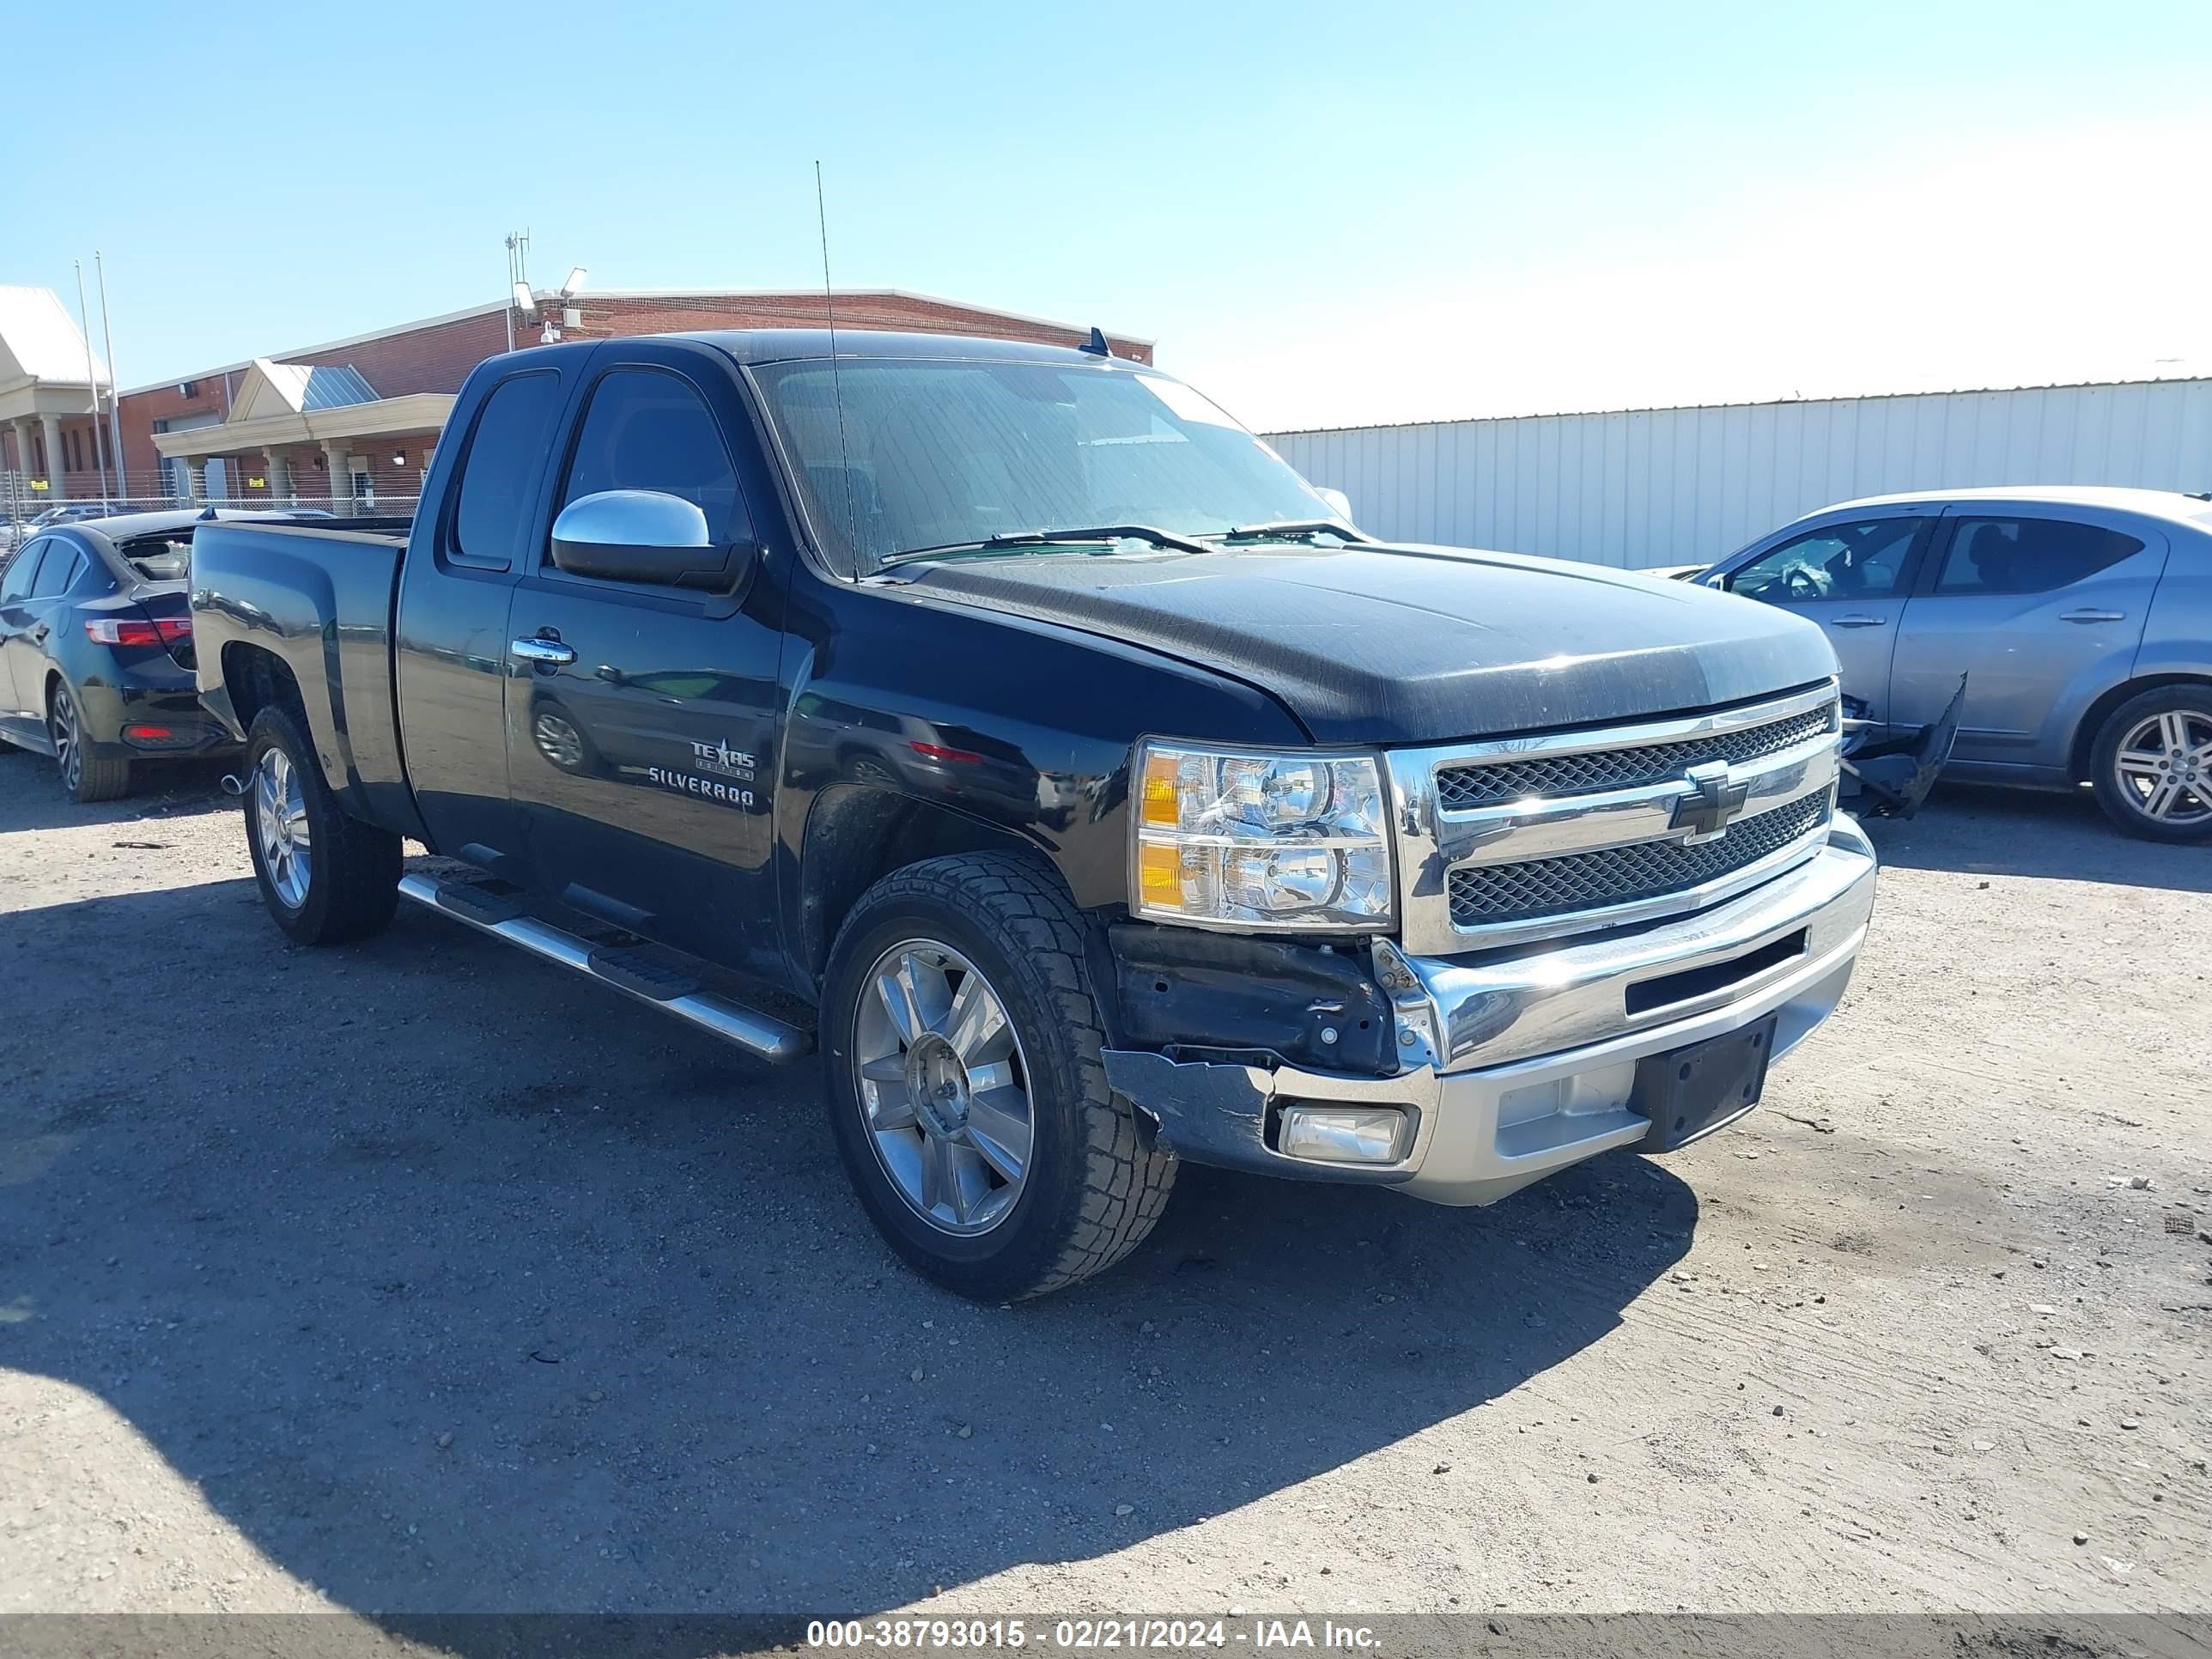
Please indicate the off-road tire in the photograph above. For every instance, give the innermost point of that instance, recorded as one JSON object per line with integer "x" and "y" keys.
{"x": 353, "y": 885}
{"x": 2112, "y": 794}
{"x": 1095, "y": 1186}
{"x": 87, "y": 780}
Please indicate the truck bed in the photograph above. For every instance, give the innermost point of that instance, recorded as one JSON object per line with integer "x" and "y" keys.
{"x": 315, "y": 603}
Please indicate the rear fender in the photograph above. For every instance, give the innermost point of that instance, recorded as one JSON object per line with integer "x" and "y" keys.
{"x": 312, "y": 623}
{"x": 276, "y": 654}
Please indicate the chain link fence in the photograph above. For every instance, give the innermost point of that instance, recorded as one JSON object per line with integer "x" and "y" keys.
{"x": 25, "y": 510}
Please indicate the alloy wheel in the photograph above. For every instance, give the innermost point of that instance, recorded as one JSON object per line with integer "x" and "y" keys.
{"x": 558, "y": 741}
{"x": 943, "y": 1086}
{"x": 280, "y": 828}
{"x": 2165, "y": 767}
{"x": 68, "y": 738}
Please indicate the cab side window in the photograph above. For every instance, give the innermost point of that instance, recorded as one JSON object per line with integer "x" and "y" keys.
{"x": 493, "y": 511}
{"x": 1864, "y": 561}
{"x": 2027, "y": 555}
{"x": 648, "y": 429}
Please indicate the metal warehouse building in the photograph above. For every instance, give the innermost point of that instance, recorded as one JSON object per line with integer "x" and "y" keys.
{"x": 1682, "y": 486}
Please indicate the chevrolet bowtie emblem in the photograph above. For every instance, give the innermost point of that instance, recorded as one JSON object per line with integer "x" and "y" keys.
{"x": 1711, "y": 803}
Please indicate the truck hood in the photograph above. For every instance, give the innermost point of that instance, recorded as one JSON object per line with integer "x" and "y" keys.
{"x": 1395, "y": 645}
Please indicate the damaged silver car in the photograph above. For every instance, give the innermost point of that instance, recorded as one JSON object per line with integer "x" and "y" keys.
{"x": 2043, "y": 638}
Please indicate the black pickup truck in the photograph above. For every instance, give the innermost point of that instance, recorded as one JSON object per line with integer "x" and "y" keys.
{"x": 1009, "y": 724}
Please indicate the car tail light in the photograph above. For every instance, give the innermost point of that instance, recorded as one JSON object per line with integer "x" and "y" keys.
{"x": 938, "y": 751}
{"x": 124, "y": 631}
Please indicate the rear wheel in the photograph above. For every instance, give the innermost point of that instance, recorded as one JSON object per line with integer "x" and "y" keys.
{"x": 326, "y": 878}
{"x": 2153, "y": 764}
{"x": 966, "y": 1092}
{"x": 86, "y": 777}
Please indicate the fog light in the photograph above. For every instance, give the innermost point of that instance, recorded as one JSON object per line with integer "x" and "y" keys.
{"x": 1344, "y": 1134}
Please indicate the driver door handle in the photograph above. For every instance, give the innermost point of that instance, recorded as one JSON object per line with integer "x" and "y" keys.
{"x": 1856, "y": 621}
{"x": 549, "y": 653}
{"x": 2092, "y": 616}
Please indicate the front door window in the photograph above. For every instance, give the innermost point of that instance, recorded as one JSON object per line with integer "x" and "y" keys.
{"x": 1861, "y": 561}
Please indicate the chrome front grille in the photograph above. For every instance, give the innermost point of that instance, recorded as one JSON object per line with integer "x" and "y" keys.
{"x": 1460, "y": 788}
{"x": 1505, "y": 841}
{"x": 1486, "y": 894}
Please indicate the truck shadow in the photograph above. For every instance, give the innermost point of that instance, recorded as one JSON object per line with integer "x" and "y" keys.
{"x": 456, "y": 1287}
{"x": 2004, "y": 832}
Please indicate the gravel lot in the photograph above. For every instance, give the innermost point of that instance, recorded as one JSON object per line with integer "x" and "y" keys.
{"x": 418, "y": 1277}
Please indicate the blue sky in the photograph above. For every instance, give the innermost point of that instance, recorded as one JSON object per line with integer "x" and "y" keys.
{"x": 1325, "y": 214}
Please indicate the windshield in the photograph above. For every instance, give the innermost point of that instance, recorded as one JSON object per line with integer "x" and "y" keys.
{"x": 938, "y": 454}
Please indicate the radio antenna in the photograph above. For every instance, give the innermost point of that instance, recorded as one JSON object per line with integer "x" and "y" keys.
{"x": 836, "y": 380}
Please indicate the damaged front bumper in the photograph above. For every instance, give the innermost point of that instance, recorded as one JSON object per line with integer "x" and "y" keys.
{"x": 1516, "y": 1066}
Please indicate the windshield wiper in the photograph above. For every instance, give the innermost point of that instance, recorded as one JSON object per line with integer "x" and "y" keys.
{"x": 1292, "y": 530}
{"x": 1104, "y": 532}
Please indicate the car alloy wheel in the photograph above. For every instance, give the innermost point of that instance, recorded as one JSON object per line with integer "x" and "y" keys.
{"x": 943, "y": 1086}
{"x": 67, "y": 731}
{"x": 2164, "y": 766}
{"x": 558, "y": 741}
{"x": 280, "y": 828}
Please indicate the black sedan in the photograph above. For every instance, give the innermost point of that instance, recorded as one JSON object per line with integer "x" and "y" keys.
{"x": 96, "y": 649}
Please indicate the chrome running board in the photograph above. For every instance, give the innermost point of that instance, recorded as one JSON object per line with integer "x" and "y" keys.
{"x": 629, "y": 971}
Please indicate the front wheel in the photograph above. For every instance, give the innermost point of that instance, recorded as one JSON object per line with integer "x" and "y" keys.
{"x": 2151, "y": 765}
{"x": 966, "y": 1092}
{"x": 326, "y": 878}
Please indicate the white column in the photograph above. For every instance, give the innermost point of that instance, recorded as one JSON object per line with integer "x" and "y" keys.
{"x": 279, "y": 475}
{"x": 50, "y": 428}
{"x": 334, "y": 457}
{"x": 21, "y": 428}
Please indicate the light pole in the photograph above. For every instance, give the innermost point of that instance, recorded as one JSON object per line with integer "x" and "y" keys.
{"x": 114, "y": 404}
{"x": 518, "y": 278}
{"x": 92, "y": 382}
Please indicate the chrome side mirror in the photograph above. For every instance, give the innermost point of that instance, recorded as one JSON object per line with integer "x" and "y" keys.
{"x": 644, "y": 536}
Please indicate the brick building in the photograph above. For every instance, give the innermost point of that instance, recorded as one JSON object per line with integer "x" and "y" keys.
{"x": 367, "y": 411}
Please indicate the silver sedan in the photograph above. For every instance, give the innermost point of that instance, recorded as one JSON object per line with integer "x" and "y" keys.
{"x": 2080, "y": 618}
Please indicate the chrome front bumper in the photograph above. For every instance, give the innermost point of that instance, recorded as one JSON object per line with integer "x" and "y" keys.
{"x": 1520, "y": 1065}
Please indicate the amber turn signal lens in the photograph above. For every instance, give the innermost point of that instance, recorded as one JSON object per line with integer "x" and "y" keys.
{"x": 1159, "y": 873}
{"x": 1160, "y": 805}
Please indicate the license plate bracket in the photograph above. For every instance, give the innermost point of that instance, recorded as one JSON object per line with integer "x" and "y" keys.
{"x": 1691, "y": 1091}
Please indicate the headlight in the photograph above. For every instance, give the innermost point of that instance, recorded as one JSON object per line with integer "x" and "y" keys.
{"x": 1286, "y": 842}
